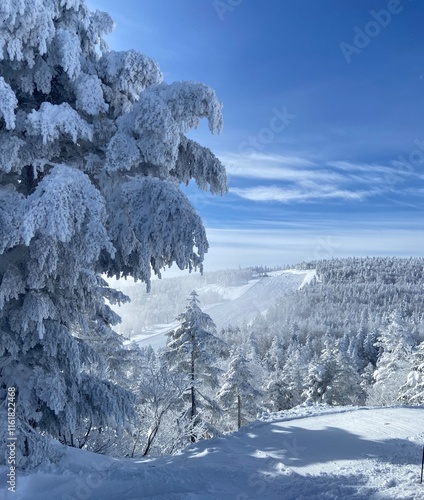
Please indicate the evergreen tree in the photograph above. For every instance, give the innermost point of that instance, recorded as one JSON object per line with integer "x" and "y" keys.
{"x": 412, "y": 391}
{"x": 238, "y": 391}
{"x": 318, "y": 380}
{"x": 285, "y": 386}
{"x": 276, "y": 355}
{"x": 332, "y": 379}
{"x": 367, "y": 348}
{"x": 194, "y": 349}
{"x": 396, "y": 342}
{"x": 93, "y": 153}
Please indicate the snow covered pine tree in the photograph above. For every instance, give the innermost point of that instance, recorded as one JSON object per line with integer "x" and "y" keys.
{"x": 238, "y": 390}
{"x": 92, "y": 154}
{"x": 194, "y": 349}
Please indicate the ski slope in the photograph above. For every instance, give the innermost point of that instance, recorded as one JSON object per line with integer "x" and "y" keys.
{"x": 258, "y": 297}
{"x": 154, "y": 335}
{"x": 239, "y": 304}
{"x": 310, "y": 452}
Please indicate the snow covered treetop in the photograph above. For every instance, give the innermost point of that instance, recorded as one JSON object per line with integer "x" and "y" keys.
{"x": 31, "y": 27}
{"x": 67, "y": 101}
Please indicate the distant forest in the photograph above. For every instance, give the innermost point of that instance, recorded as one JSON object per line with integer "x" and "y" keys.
{"x": 348, "y": 294}
{"x": 353, "y": 336}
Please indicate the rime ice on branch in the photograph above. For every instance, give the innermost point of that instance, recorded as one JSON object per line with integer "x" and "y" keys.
{"x": 93, "y": 153}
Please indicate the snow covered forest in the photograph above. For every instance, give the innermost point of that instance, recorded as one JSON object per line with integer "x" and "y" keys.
{"x": 352, "y": 336}
{"x": 94, "y": 151}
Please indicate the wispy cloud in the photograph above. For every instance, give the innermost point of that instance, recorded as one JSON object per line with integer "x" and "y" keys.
{"x": 317, "y": 192}
{"x": 350, "y": 167}
{"x": 296, "y": 179}
{"x": 261, "y": 166}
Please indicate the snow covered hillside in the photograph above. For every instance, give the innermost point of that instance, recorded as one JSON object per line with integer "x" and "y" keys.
{"x": 238, "y": 304}
{"x": 309, "y": 452}
{"x": 256, "y": 297}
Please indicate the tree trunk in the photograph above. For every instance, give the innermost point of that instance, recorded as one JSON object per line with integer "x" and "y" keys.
{"x": 85, "y": 438}
{"x": 137, "y": 439}
{"x": 238, "y": 411}
{"x": 150, "y": 440}
{"x": 193, "y": 400}
{"x": 153, "y": 434}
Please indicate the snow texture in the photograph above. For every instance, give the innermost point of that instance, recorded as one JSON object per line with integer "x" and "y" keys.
{"x": 309, "y": 452}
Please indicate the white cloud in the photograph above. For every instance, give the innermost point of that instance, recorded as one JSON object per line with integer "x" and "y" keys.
{"x": 313, "y": 192}
{"x": 370, "y": 168}
{"x": 276, "y": 167}
{"x": 301, "y": 179}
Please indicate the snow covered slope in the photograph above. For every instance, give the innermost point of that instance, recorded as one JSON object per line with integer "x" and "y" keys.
{"x": 258, "y": 297}
{"x": 307, "y": 453}
{"x": 239, "y": 304}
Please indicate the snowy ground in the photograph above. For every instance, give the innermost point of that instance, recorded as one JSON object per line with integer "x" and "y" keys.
{"x": 240, "y": 304}
{"x": 307, "y": 453}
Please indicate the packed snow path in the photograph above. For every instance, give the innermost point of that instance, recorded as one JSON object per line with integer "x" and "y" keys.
{"x": 306, "y": 453}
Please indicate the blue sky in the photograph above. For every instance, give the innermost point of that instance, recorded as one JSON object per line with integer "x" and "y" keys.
{"x": 324, "y": 120}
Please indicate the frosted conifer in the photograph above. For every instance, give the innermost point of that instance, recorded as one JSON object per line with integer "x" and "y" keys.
{"x": 93, "y": 153}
